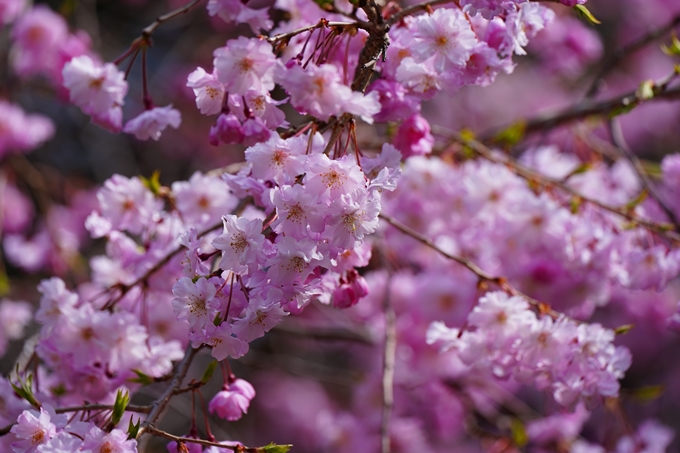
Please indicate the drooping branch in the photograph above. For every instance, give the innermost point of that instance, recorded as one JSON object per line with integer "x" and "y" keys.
{"x": 158, "y": 406}
{"x": 620, "y": 143}
{"x": 389, "y": 353}
{"x": 236, "y": 448}
{"x": 663, "y": 229}
{"x": 483, "y": 276}
{"x": 620, "y": 54}
{"x": 424, "y": 6}
{"x": 150, "y": 29}
{"x": 587, "y": 108}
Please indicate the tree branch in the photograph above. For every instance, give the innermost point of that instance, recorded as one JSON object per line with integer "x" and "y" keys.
{"x": 94, "y": 407}
{"x": 424, "y": 6}
{"x": 148, "y": 31}
{"x": 389, "y": 353}
{"x": 481, "y": 274}
{"x": 161, "y": 403}
{"x": 663, "y": 229}
{"x": 583, "y": 110}
{"x": 616, "y": 57}
{"x": 620, "y": 143}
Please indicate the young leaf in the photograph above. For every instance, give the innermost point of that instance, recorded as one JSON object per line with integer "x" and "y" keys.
{"x": 274, "y": 448}
{"x": 584, "y": 12}
{"x": 207, "y": 374}
{"x": 133, "y": 428}
{"x": 122, "y": 400}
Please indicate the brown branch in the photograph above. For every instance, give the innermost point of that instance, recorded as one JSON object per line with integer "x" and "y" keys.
{"x": 163, "y": 261}
{"x": 236, "y": 448}
{"x": 616, "y": 57}
{"x": 376, "y": 45}
{"x": 482, "y": 275}
{"x": 94, "y": 407}
{"x": 149, "y": 30}
{"x": 322, "y": 23}
{"x": 324, "y": 333}
{"x": 162, "y": 402}
{"x": 663, "y": 229}
{"x": 389, "y": 353}
{"x": 620, "y": 143}
{"x": 425, "y": 6}
{"x": 583, "y": 110}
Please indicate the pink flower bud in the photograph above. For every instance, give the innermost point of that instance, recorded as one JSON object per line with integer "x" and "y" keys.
{"x": 233, "y": 401}
{"x": 227, "y": 129}
{"x": 413, "y": 137}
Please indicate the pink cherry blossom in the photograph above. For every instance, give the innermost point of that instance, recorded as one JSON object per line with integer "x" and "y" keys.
{"x": 233, "y": 400}
{"x": 150, "y": 123}
{"x": 98, "y": 90}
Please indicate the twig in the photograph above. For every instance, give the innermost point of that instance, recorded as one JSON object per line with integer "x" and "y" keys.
{"x": 321, "y": 23}
{"x": 94, "y": 407}
{"x": 237, "y": 448}
{"x": 587, "y": 108}
{"x": 325, "y": 333}
{"x": 148, "y": 31}
{"x": 616, "y": 57}
{"x": 393, "y": 19}
{"x": 479, "y": 272}
{"x": 620, "y": 143}
{"x": 163, "y": 261}
{"x": 161, "y": 403}
{"x": 388, "y": 369}
{"x": 376, "y": 45}
{"x": 482, "y": 275}
{"x": 663, "y": 229}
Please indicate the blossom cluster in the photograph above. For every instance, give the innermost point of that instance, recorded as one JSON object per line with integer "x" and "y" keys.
{"x": 319, "y": 212}
{"x": 504, "y": 337}
{"x": 44, "y": 431}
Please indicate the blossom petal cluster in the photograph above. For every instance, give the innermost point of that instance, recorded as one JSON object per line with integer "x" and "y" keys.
{"x": 504, "y": 337}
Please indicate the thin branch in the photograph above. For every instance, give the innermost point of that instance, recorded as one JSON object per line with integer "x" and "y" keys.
{"x": 330, "y": 333}
{"x": 163, "y": 261}
{"x": 162, "y": 402}
{"x": 663, "y": 229}
{"x": 620, "y": 143}
{"x": 585, "y": 109}
{"x": 149, "y": 30}
{"x": 393, "y": 19}
{"x": 322, "y": 23}
{"x": 188, "y": 440}
{"x": 389, "y": 353}
{"x": 94, "y": 407}
{"x": 617, "y": 56}
{"x": 482, "y": 275}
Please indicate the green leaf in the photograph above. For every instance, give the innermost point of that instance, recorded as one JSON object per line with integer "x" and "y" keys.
{"x": 273, "y": 448}
{"x": 674, "y": 48}
{"x": 622, "y": 109}
{"x": 511, "y": 135}
{"x": 122, "y": 400}
{"x": 4, "y": 284}
{"x": 133, "y": 428}
{"x": 636, "y": 201}
{"x": 519, "y": 433}
{"x": 624, "y": 329}
{"x": 25, "y": 390}
{"x": 585, "y": 13}
{"x": 325, "y": 4}
{"x": 575, "y": 204}
{"x": 153, "y": 183}
{"x": 141, "y": 378}
{"x": 648, "y": 393}
{"x": 207, "y": 374}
